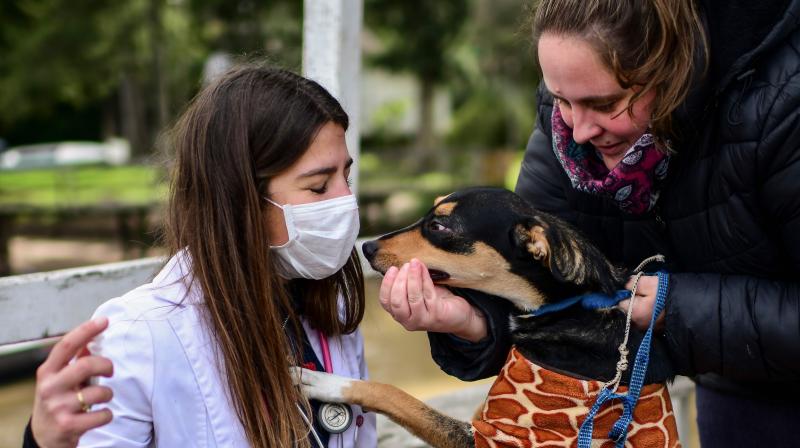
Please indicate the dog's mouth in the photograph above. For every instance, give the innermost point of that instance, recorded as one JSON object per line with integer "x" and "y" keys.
{"x": 437, "y": 275}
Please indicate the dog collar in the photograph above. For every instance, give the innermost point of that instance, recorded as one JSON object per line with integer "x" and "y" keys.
{"x": 591, "y": 301}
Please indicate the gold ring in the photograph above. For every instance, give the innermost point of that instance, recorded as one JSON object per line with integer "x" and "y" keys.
{"x": 85, "y": 407}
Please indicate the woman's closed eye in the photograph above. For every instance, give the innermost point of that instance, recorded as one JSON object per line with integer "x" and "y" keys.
{"x": 320, "y": 190}
{"x": 606, "y": 107}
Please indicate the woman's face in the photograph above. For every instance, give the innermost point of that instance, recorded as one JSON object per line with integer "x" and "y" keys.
{"x": 321, "y": 173}
{"x": 591, "y": 100}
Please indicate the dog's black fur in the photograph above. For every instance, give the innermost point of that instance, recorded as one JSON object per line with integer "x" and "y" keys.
{"x": 491, "y": 240}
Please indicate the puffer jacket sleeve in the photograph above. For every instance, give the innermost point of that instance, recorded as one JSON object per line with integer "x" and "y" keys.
{"x": 470, "y": 361}
{"x": 742, "y": 327}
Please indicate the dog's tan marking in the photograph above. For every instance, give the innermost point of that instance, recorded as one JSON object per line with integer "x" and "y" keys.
{"x": 567, "y": 257}
{"x": 539, "y": 246}
{"x": 445, "y": 209}
{"x": 440, "y": 199}
{"x": 429, "y": 425}
{"x": 574, "y": 273}
{"x": 483, "y": 269}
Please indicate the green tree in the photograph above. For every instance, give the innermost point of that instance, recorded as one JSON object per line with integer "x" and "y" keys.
{"x": 495, "y": 91}
{"x": 137, "y": 61}
{"x": 417, "y": 36}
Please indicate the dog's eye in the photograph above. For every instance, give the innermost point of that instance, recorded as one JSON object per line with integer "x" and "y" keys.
{"x": 436, "y": 226}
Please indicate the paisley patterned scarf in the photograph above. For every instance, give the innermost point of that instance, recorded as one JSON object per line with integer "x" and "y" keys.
{"x": 633, "y": 184}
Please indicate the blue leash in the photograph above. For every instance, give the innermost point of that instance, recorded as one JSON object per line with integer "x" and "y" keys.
{"x": 593, "y": 301}
{"x": 619, "y": 432}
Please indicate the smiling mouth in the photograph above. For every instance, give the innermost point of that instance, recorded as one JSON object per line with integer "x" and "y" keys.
{"x": 606, "y": 147}
{"x": 437, "y": 275}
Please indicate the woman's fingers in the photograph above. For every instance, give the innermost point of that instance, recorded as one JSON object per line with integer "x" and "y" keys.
{"x": 646, "y": 290}
{"x": 414, "y": 282}
{"x": 59, "y": 415}
{"x": 416, "y": 296}
{"x": 71, "y": 402}
{"x": 384, "y": 296}
{"x": 429, "y": 293}
{"x": 71, "y": 345}
{"x": 84, "y": 421}
{"x": 93, "y": 395}
{"x": 80, "y": 371}
{"x": 646, "y": 285}
{"x": 399, "y": 296}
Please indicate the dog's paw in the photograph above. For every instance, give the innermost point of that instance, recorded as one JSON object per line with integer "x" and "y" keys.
{"x": 321, "y": 386}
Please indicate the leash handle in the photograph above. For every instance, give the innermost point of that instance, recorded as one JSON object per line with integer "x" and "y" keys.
{"x": 619, "y": 432}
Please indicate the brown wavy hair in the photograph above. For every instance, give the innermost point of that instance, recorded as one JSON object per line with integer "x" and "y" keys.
{"x": 650, "y": 44}
{"x": 236, "y": 135}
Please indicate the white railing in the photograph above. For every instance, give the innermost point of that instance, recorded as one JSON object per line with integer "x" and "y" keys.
{"x": 46, "y": 304}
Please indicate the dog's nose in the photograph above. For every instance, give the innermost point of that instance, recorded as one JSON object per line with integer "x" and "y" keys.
{"x": 369, "y": 249}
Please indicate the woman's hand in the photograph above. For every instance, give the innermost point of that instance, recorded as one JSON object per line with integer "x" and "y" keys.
{"x": 410, "y": 296}
{"x": 61, "y": 411}
{"x": 645, "y": 302}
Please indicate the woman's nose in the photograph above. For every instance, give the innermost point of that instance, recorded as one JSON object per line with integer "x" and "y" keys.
{"x": 341, "y": 189}
{"x": 584, "y": 128}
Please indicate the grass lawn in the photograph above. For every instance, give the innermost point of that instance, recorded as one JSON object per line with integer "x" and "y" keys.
{"x": 82, "y": 186}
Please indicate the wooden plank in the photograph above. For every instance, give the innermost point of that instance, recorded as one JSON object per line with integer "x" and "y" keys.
{"x": 47, "y": 304}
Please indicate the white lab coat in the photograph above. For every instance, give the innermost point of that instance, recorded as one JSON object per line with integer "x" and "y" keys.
{"x": 168, "y": 391}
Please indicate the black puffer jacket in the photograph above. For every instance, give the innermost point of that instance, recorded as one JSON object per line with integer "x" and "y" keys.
{"x": 728, "y": 219}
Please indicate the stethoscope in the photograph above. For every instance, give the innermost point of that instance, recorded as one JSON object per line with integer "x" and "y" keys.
{"x": 333, "y": 417}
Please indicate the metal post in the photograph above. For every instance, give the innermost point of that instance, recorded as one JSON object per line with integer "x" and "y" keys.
{"x": 332, "y": 57}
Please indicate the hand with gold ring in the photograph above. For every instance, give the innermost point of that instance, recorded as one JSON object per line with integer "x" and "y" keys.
{"x": 63, "y": 399}
{"x": 85, "y": 407}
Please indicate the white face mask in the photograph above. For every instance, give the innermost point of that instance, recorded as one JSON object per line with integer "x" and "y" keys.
{"x": 321, "y": 237}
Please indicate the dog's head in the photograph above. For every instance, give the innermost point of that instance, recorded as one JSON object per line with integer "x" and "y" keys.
{"x": 491, "y": 240}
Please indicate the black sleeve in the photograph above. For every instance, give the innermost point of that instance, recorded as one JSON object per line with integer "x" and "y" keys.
{"x": 28, "y": 441}
{"x": 743, "y": 327}
{"x": 474, "y": 361}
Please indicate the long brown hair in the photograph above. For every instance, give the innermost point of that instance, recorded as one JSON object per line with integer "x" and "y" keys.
{"x": 650, "y": 44}
{"x": 238, "y": 133}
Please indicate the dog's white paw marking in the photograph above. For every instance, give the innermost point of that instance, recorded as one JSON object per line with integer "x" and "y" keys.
{"x": 321, "y": 386}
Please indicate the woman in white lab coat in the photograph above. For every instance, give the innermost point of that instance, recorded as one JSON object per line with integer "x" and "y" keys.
{"x": 261, "y": 226}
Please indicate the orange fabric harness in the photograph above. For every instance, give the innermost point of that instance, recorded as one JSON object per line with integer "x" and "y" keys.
{"x": 529, "y": 406}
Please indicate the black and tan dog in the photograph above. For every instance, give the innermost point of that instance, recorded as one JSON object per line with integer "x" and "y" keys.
{"x": 490, "y": 240}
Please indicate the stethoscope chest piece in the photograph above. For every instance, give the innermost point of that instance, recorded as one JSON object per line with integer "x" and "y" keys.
{"x": 335, "y": 417}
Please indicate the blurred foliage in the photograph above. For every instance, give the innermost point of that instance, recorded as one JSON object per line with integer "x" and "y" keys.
{"x": 95, "y": 68}
{"x": 484, "y": 58}
{"x": 416, "y": 35}
{"x": 88, "y": 186}
{"x": 129, "y": 65}
{"x": 494, "y": 92}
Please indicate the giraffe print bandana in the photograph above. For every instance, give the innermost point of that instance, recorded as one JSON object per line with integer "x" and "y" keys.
{"x": 531, "y": 406}
{"x": 632, "y": 184}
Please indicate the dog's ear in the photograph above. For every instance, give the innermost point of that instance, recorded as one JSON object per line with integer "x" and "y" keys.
{"x": 531, "y": 237}
{"x": 560, "y": 249}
